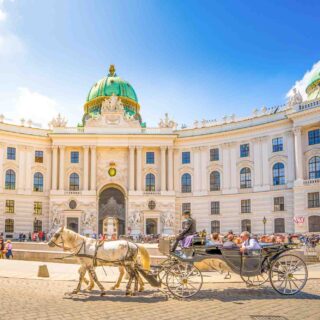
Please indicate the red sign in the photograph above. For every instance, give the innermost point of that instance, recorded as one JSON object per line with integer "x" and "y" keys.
{"x": 298, "y": 220}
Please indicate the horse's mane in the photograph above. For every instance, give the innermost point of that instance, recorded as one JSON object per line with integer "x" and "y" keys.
{"x": 73, "y": 236}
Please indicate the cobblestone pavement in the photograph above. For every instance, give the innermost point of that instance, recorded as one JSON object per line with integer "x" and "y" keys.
{"x": 43, "y": 299}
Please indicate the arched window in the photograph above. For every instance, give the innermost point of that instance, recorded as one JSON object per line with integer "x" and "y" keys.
{"x": 37, "y": 226}
{"x": 314, "y": 168}
{"x": 245, "y": 178}
{"x": 74, "y": 184}
{"x": 9, "y": 225}
{"x": 314, "y": 223}
{"x": 278, "y": 174}
{"x": 150, "y": 182}
{"x": 214, "y": 181}
{"x": 279, "y": 225}
{"x": 215, "y": 226}
{"x": 10, "y": 180}
{"x": 38, "y": 182}
{"x": 246, "y": 225}
{"x": 186, "y": 183}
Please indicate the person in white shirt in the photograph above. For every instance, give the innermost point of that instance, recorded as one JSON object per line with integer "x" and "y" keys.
{"x": 248, "y": 243}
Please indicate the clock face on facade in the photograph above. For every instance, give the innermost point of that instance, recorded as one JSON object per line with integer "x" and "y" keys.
{"x": 112, "y": 172}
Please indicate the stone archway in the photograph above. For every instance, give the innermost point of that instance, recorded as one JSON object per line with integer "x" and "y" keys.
{"x": 112, "y": 204}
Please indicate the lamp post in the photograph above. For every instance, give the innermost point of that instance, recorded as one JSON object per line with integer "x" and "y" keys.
{"x": 264, "y": 220}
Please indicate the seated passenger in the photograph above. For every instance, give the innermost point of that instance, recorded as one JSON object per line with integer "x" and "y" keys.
{"x": 214, "y": 241}
{"x": 187, "y": 233}
{"x": 248, "y": 243}
{"x": 229, "y": 244}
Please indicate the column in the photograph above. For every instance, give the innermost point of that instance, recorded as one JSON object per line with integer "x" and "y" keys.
{"x": 196, "y": 169}
{"x": 85, "y": 168}
{"x": 234, "y": 175}
{"x": 204, "y": 175}
{"x": 265, "y": 162}
{"x": 93, "y": 176}
{"x": 257, "y": 162}
{"x": 2, "y": 152}
{"x": 54, "y": 167}
{"x": 163, "y": 168}
{"x": 170, "y": 168}
{"x": 131, "y": 168}
{"x": 298, "y": 153}
{"x": 226, "y": 166}
{"x": 28, "y": 165}
{"x": 139, "y": 166}
{"x": 291, "y": 155}
{"x": 22, "y": 169}
{"x": 61, "y": 168}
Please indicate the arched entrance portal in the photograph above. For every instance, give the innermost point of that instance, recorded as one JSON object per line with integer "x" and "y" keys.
{"x": 112, "y": 205}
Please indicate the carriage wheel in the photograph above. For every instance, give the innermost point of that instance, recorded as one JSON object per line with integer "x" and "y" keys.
{"x": 184, "y": 280}
{"x": 288, "y": 274}
{"x": 163, "y": 269}
{"x": 256, "y": 281}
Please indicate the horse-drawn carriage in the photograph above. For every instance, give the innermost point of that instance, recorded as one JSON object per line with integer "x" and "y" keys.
{"x": 286, "y": 272}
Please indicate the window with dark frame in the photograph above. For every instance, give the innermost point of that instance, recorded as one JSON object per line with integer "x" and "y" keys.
{"x": 74, "y": 157}
{"x": 314, "y": 137}
{"x": 38, "y": 182}
{"x": 246, "y": 225}
{"x": 186, "y": 207}
{"x": 215, "y": 207}
{"x": 150, "y": 157}
{"x": 244, "y": 150}
{"x": 11, "y": 153}
{"x": 186, "y": 183}
{"x": 277, "y": 144}
{"x": 278, "y": 203}
{"x": 279, "y": 225}
{"x": 214, "y": 154}
{"x": 278, "y": 174}
{"x": 215, "y": 226}
{"x": 9, "y": 226}
{"x": 185, "y": 157}
{"x": 245, "y": 178}
{"x": 74, "y": 183}
{"x": 313, "y": 200}
{"x": 314, "y": 167}
{"x": 9, "y": 206}
{"x": 150, "y": 182}
{"x": 37, "y": 208}
{"x": 246, "y": 206}
{"x": 38, "y": 156}
{"x": 37, "y": 226}
{"x": 214, "y": 181}
{"x": 10, "y": 180}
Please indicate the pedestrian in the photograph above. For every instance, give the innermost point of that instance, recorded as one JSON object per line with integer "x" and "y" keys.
{"x": 8, "y": 249}
{"x": 2, "y": 251}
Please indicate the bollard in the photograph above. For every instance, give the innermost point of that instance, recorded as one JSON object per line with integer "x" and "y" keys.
{"x": 43, "y": 271}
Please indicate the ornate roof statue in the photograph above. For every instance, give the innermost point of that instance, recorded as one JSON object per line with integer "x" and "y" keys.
{"x": 167, "y": 123}
{"x": 59, "y": 121}
{"x": 295, "y": 98}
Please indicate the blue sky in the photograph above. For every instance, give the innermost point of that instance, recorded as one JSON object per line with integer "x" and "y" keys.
{"x": 193, "y": 59}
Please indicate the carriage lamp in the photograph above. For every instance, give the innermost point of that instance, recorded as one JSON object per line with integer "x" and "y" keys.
{"x": 264, "y": 220}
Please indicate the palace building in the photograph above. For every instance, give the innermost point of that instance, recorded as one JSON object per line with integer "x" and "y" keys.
{"x": 113, "y": 174}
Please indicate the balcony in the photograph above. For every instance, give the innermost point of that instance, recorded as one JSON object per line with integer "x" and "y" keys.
{"x": 311, "y": 182}
{"x": 155, "y": 193}
{"x": 72, "y": 193}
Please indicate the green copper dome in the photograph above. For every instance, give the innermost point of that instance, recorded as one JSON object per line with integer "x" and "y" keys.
{"x": 313, "y": 89}
{"x": 112, "y": 84}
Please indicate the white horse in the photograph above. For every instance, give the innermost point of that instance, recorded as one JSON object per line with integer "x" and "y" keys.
{"x": 91, "y": 253}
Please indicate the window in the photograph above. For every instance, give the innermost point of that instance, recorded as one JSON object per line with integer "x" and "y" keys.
{"x": 185, "y": 157}
{"x": 314, "y": 136}
{"x": 214, "y": 154}
{"x": 38, "y": 156}
{"x": 73, "y": 204}
{"x": 214, "y": 181}
{"x": 9, "y": 225}
{"x": 74, "y": 182}
{"x": 277, "y": 144}
{"x": 246, "y": 225}
{"x": 314, "y": 168}
{"x": 278, "y": 204}
{"x": 38, "y": 182}
{"x": 11, "y": 153}
{"x": 245, "y": 178}
{"x": 215, "y": 226}
{"x": 37, "y": 208}
{"x": 186, "y": 207}
{"x": 186, "y": 183}
{"x": 313, "y": 200}
{"x": 150, "y": 182}
{"x": 244, "y": 150}
{"x": 10, "y": 183}
{"x": 246, "y": 206}
{"x": 37, "y": 225}
{"x": 279, "y": 225}
{"x": 151, "y": 204}
{"x": 215, "y": 207}
{"x": 278, "y": 174}
{"x": 74, "y": 157}
{"x": 9, "y": 206}
{"x": 150, "y": 157}
{"x": 314, "y": 223}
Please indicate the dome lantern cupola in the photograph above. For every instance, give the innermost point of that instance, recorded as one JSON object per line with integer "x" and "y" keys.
{"x": 313, "y": 88}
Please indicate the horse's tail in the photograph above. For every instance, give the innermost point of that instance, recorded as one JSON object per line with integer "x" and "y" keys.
{"x": 144, "y": 257}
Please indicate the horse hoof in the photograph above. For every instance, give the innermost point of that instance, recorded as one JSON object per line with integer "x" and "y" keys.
{"x": 74, "y": 292}
{"x": 103, "y": 293}
{"x": 113, "y": 288}
{"x": 128, "y": 293}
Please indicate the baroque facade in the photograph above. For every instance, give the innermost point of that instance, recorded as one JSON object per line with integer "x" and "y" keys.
{"x": 112, "y": 173}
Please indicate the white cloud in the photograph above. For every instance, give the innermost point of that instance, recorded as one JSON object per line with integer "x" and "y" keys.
{"x": 33, "y": 105}
{"x": 301, "y": 84}
{"x": 3, "y": 15}
{"x": 10, "y": 45}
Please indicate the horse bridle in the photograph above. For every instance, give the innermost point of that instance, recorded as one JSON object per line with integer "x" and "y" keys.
{"x": 62, "y": 246}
